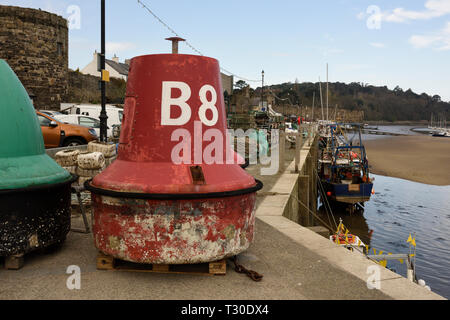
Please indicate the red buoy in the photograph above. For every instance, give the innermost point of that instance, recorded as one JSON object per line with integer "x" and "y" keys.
{"x": 176, "y": 193}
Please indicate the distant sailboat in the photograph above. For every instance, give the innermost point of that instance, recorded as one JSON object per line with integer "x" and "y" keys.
{"x": 441, "y": 130}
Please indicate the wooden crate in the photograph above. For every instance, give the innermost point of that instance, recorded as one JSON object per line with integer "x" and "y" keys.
{"x": 105, "y": 262}
{"x": 14, "y": 262}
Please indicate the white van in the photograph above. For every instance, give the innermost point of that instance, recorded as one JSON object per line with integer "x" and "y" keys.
{"x": 115, "y": 115}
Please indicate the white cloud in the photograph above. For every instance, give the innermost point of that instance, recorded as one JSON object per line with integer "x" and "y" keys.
{"x": 439, "y": 41}
{"x": 116, "y": 47}
{"x": 433, "y": 9}
{"x": 438, "y": 5}
{"x": 423, "y": 41}
{"x": 377, "y": 45}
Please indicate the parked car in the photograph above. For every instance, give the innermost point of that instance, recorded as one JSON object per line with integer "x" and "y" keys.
{"x": 84, "y": 121}
{"x": 58, "y": 134}
{"x": 50, "y": 113}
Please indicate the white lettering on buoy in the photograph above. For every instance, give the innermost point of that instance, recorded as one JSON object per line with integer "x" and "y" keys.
{"x": 208, "y": 105}
{"x": 168, "y": 101}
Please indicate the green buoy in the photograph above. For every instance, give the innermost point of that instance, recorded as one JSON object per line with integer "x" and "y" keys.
{"x": 35, "y": 191}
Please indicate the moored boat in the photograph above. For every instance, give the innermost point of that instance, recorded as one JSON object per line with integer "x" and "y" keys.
{"x": 344, "y": 169}
{"x": 445, "y": 134}
{"x": 344, "y": 238}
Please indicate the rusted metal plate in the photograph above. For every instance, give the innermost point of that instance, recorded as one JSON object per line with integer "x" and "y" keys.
{"x": 197, "y": 175}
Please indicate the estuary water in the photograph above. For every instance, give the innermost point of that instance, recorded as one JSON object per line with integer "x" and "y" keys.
{"x": 399, "y": 208}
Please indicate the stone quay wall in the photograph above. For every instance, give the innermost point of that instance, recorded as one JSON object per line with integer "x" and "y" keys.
{"x": 35, "y": 44}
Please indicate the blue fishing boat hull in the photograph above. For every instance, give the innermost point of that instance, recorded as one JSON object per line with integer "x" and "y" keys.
{"x": 348, "y": 193}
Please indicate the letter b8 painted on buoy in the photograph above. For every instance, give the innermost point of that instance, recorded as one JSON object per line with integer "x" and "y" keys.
{"x": 175, "y": 194}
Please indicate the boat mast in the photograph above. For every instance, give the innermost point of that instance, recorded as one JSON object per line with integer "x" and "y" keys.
{"x": 314, "y": 100}
{"x": 321, "y": 99}
{"x": 327, "y": 92}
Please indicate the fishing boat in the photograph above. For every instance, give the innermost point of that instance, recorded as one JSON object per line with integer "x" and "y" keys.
{"x": 344, "y": 169}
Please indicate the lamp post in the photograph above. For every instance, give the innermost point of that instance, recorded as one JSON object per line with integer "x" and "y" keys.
{"x": 103, "y": 117}
{"x": 262, "y": 90}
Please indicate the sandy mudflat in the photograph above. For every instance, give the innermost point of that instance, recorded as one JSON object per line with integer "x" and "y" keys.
{"x": 422, "y": 159}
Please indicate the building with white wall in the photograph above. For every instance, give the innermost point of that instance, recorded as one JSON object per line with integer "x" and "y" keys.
{"x": 120, "y": 70}
{"x": 115, "y": 67}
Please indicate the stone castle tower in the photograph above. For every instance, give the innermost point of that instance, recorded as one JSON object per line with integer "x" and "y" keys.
{"x": 35, "y": 44}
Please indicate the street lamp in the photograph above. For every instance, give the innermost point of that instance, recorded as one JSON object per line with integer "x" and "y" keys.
{"x": 103, "y": 117}
{"x": 262, "y": 90}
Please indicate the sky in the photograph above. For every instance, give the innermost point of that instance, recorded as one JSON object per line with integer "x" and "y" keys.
{"x": 402, "y": 43}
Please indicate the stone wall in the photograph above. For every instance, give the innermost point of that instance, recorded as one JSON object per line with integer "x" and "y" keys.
{"x": 35, "y": 44}
{"x": 227, "y": 83}
{"x": 85, "y": 88}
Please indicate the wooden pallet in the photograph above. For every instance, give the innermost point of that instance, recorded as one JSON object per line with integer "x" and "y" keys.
{"x": 14, "y": 262}
{"x": 105, "y": 262}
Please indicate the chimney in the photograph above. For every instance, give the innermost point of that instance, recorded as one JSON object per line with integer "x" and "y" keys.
{"x": 115, "y": 59}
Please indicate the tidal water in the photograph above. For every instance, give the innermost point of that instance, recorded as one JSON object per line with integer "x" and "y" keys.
{"x": 400, "y": 129}
{"x": 405, "y": 130}
{"x": 399, "y": 208}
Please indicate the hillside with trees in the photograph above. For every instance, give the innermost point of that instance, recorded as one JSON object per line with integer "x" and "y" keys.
{"x": 378, "y": 103}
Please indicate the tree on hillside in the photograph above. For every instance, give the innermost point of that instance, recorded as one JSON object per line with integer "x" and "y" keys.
{"x": 398, "y": 90}
{"x": 241, "y": 84}
{"x": 377, "y": 103}
{"x": 436, "y": 98}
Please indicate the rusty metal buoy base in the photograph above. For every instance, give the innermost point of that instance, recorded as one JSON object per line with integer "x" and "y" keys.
{"x": 173, "y": 231}
{"x": 105, "y": 262}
